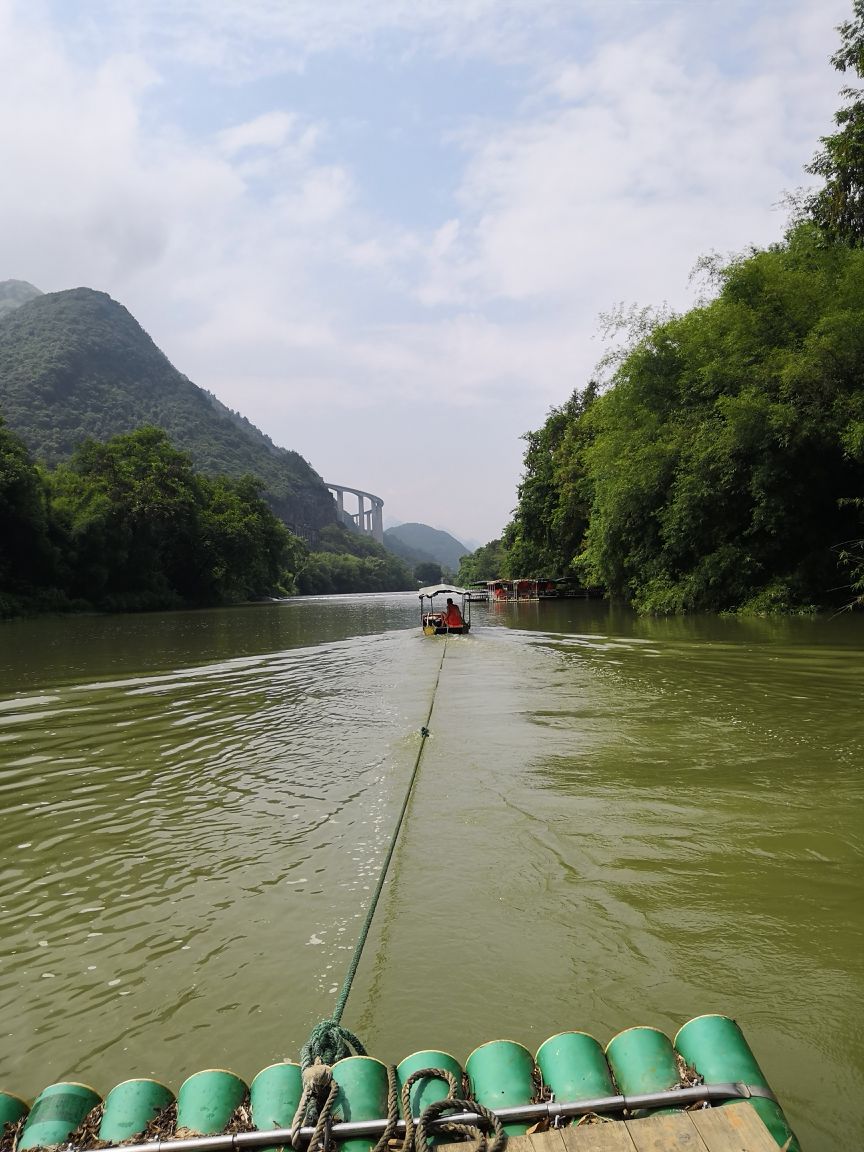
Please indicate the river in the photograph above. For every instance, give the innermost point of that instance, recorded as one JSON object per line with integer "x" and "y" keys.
{"x": 616, "y": 821}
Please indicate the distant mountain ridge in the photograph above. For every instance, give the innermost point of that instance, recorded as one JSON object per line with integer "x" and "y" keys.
{"x": 14, "y": 293}
{"x": 76, "y": 364}
{"x": 425, "y": 543}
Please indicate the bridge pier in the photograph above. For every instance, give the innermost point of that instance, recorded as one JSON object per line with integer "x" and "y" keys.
{"x": 370, "y": 521}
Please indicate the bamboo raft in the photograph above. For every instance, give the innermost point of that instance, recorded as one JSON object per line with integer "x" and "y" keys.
{"x": 704, "y": 1093}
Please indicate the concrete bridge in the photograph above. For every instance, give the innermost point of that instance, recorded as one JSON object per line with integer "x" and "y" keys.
{"x": 369, "y": 520}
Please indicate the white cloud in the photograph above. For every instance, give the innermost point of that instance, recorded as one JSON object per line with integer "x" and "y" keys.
{"x": 89, "y": 193}
{"x": 270, "y": 130}
{"x": 646, "y": 159}
{"x": 256, "y": 37}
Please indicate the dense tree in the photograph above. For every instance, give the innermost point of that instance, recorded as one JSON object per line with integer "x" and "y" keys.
{"x": 552, "y": 514}
{"x": 324, "y": 573}
{"x": 129, "y": 524}
{"x": 428, "y": 573}
{"x": 26, "y": 554}
{"x": 484, "y": 564}
{"x": 131, "y": 510}
{"x": 246, "y": 551}
{"x": 347, "y": 561}
{"x": 838, "y": 207}
{"x": 725, "y": 461}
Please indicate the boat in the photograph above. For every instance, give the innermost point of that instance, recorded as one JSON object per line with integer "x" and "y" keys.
{"x": 513, "y": 591}
{"x": 433, "y": 610}
{"x": 477, "y": 593}
{"x": 523, "y": 589}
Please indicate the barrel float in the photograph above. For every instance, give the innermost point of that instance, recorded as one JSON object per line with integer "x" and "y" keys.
{"x": 427, "y": 1090}
{"x": 574, "y": 1067}
{"x": 501, "y": 1075}
{"x": 716, "y": 1048}
{"x": 56, "y": 1113}
{"x": 363, "y": 1089}
{"x": 274, "y": 1095}
{"x": 207, "y": 1100}
{"x": 12, "y": 1108}
{"x": 643, "y": 1060}
{"x": 130, "y": 1106}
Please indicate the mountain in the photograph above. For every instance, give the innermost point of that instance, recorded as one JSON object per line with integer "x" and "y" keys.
{"x": 14, "y": 293}
{"x": 77, "y": 364}
{"x": 425, "y": 543}
{"x": 411, "y": 556}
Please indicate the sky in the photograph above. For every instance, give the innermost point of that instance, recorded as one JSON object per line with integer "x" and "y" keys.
{"x": 386, "y": 231}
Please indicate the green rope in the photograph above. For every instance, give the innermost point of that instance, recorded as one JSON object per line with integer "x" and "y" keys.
{"x": 329, "y": 1041}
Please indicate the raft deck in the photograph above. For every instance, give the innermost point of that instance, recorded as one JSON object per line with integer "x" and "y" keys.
{"x": 733, "y": 1128}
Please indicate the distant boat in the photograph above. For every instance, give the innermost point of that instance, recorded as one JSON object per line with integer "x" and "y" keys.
{"x": 513, "y": 591}
{"x": 437, "y": 619}
{"x": 542, "y": 588}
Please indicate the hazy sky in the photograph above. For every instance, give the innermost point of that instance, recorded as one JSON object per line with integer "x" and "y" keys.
{"x": 384, "y": 229}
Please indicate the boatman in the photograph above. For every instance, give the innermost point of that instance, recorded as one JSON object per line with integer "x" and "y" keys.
{"x": 452, "y": 615}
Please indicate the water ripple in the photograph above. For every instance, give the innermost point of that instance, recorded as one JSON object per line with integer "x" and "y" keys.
{"x": 616, "y": 822}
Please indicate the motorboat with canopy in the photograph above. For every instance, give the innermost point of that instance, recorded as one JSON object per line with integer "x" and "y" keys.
{"x": 444, "y": 610}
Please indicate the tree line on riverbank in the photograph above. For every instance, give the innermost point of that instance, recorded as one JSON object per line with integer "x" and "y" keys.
{"x": 129, "y": 525}
{"x": 718, "y": 462}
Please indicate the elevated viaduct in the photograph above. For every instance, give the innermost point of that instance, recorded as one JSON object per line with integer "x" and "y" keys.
{"x": 369, "y": 520}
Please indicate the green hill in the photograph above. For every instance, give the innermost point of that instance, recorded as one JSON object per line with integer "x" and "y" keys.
{"x": 419, "y": 542}
{"x": 412, "y": 556}
{"x": 14, "y": 293}
{"x": 77, "y": 364}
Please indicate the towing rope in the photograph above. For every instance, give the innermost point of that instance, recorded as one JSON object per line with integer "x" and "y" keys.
{"x": 329, "y": 1041}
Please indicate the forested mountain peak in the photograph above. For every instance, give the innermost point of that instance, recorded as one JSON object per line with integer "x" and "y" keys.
{"x": 420, "y": 542}
{"x": 76, "y": 365}
{"x": 14, "y": 293}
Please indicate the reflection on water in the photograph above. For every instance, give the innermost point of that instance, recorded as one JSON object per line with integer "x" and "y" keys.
{"x": 616, "y": 822}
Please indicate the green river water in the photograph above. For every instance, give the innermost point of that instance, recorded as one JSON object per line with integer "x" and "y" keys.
{"x": 617, "y": 822}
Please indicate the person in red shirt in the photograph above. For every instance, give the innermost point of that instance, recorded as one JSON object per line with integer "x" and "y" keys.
{"x": 452, "y": 615}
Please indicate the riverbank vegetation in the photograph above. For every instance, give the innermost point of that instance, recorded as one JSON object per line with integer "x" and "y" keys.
{"x": 346, "y": 561}
{"x": 129, "y": 525}
{"x": 721, "y": 464}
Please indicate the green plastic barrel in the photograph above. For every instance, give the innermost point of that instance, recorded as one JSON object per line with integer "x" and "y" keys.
{"x": 643, "y": 1060}
{"x": 130, "y": 1106}
{"x": 574, "y": 1067}
{"x": 274, "y": 1095}
{"x": 12, "y": 1108}
{"x": 362, "y": 1095}
{"x": 427, "y": 1090}
{"x": 57, "y": 1112}
{"x": 716, "y": 1048}
{"x": 207, "y": 1099}
{"x": 501, "y": 1075}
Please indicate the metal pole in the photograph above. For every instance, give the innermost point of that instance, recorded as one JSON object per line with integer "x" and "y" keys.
{"x": 270, "y": 1137}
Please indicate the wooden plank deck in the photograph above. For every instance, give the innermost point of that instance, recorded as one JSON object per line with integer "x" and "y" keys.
{"x": 735, "y": 1128}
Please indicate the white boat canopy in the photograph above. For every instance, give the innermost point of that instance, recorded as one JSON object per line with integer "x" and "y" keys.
{"x": 441, "y": 590}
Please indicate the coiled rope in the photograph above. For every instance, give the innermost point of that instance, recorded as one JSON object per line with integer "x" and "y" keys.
{"x": 417, "y": 1139}
{"x": 329, "y": 1041}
